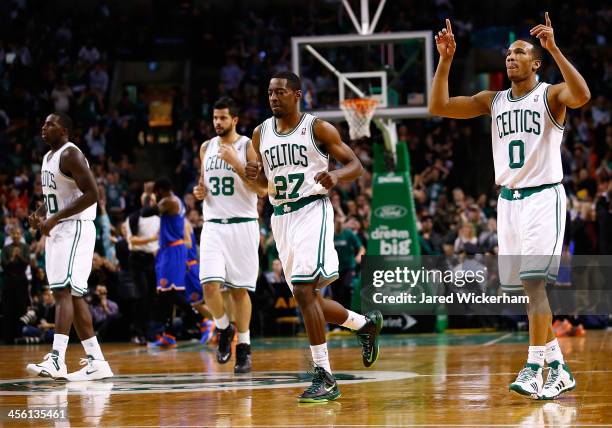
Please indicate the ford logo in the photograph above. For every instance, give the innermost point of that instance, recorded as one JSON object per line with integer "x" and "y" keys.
{"x": 390, "y": 211}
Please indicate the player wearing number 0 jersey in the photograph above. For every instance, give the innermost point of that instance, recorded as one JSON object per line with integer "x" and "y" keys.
{"x": 66, "y": 219}
{"x": 294, "y": 149}
{"x": 526, "y": 128}
{"x": 230, "y": 236}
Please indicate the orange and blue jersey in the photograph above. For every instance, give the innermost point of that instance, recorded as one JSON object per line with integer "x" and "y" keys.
{"x": 193, "y": 289}
{"x": 172, "y": 255}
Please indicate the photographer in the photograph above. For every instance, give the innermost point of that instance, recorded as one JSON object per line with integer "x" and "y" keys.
{"x": 38, "y": 322}
{"x": 15, "y": 296}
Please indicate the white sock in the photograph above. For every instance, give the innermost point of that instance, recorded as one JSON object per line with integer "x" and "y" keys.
{"x": 223, "y": 322}
{"x": 60, "y": 343}
{"x": 354, "y": 321}
{"x": 536, "y": 355}
{"x": 92, "y": 347}
{"x": 245, "y": 337}
{"x": 553, "y": 352}
{"x": 320, "y": 357}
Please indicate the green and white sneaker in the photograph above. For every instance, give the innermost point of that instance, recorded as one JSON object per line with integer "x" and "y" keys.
{"x": 559, "y": 380}
{"x": 323, "y": 389}
{"x": 368, "y": 336}
{"x": 528, "y": 383}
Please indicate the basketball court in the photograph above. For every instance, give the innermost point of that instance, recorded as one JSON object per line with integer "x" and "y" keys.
{"x": 451, "y": 379}
{"x": 457, "y": 378}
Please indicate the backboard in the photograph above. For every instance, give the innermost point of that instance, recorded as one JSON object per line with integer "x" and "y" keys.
{"x": 394, "y": 68}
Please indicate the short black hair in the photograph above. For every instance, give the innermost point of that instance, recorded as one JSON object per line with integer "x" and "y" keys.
{"x": 163, "y": 183}
{"x": 293, "y": 81}
{"x": 536, "y": 50}
{"x": 64, "y": 120}
{"x": 228, "y": 103}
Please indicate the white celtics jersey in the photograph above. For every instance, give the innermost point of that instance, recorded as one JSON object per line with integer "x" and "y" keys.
{"x": 228, "y": 196}
{"x": 59, "y": 190}
{"x": 292, "y": 160}
{"x": 526, "y": 139}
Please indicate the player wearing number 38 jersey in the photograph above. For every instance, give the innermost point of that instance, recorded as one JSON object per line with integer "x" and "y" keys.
{"x": 230, "y": 236}
{"x": 526, "y": 134}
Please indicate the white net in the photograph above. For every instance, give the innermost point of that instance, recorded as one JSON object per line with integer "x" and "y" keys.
{"x": 358, "y": 112}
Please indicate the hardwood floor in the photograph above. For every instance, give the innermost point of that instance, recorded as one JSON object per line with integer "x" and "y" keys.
{"x": 435, "y": 380}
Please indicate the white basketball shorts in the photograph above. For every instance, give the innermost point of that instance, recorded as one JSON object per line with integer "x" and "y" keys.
{"x": 68, "y": 255}
{"x": 229, "y": 253}
{"x": 530, "y": 228}
{"x": 304, "y": 235}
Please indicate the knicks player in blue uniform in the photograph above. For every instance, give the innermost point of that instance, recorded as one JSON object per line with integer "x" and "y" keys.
{"x": 171, "y": 260}
{"x": 193, "y": 288}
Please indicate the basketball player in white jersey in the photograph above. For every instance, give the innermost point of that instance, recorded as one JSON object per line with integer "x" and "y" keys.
{"x": 527, "y": 128}
{"x": 66, "y": 219}
{"x": 294, "y": 148}
{"x": 230, "y": 236}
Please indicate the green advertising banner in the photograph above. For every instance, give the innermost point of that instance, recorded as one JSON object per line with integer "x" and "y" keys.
{"x": 393, "y": 232}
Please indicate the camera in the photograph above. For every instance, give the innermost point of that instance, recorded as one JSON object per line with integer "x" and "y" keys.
{"x": 29, "y": 317}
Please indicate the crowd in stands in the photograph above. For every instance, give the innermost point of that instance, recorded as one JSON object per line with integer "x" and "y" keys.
{"x": 58, "y": 59}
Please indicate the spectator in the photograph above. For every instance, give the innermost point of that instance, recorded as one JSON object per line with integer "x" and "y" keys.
{"x": 96, "y": 141}
{"x": 231, "y": 73}
{"x": 487, "y": 240}
{"x": 466, "y": 234}
{"x": 61, "y": 96}
{"x": 39, "y": 323}
{"x": 89, "y": 53}
{"x": 350, "y": 250}
{"x": 15, "y": 297}
{"x": 98, "y": 79}
{"x": 104, "y": 313}
{"x": 430, "y": 240}
{"x": 143, "y": 240}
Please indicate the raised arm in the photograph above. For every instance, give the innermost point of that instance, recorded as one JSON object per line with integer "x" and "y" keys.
{"x": 327, "y": 136}
{"x": 74, "y": 165}
{"x": 253, "y": 169}
{"x": 440, "y": 104}
{"x": 573, "y": 92}
{"x": 200, "y": 191}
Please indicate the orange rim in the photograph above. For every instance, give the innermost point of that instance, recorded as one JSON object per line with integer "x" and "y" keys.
{"x": 360, "y": 105}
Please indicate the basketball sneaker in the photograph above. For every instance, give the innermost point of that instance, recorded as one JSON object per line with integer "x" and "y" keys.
{"x": 207, "y": 328}
{"x": 52, "y": 366}
{"x": 528, "y": 383}
{"x": 559, "y": 380}
{"x": 563, "y": 329}
{"x": 243, "y": 358}
{"x": 93, "y": 370}
{"x": 164, "y": 341}
{"x": 224, "y": 348}
{"x": 323, "y": 389}
{"x": 368, "y": 336}
{"x": 578, "y": 331}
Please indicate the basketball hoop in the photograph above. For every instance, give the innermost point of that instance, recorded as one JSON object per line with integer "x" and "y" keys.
{"x": 358, "y": 112}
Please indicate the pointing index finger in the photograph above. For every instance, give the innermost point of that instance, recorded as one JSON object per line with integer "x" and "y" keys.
{"x": 449, "y": 28}
{"x": 548, "y": 23}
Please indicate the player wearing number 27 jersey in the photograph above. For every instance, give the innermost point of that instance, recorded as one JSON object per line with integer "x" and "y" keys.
{"x": 294, "y": 149}
{"x": 526, "y": 128}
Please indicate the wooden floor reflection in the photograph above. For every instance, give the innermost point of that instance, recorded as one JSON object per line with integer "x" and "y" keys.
{"x": 431, "y": 380}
